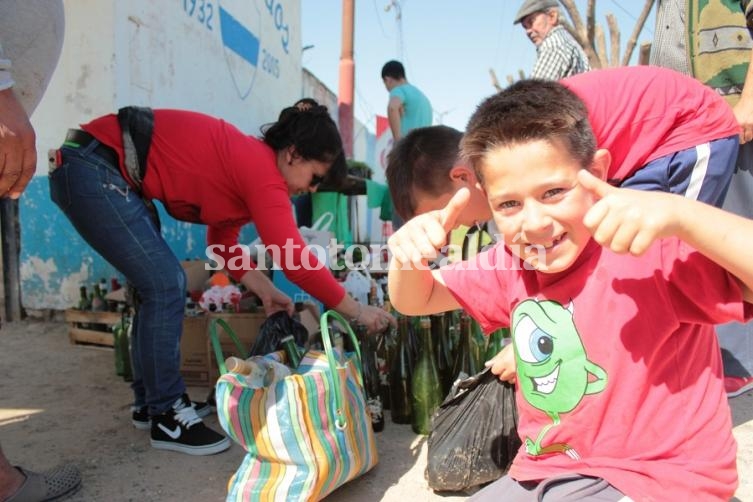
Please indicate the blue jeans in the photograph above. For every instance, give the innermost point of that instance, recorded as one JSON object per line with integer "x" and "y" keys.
{"x": 117, "y": 224}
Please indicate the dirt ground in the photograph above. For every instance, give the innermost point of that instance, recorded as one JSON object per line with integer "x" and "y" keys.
{"x": 64, "y": 402}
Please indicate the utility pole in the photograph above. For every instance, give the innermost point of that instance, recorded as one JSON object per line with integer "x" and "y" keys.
{"x": 347, "y": 79}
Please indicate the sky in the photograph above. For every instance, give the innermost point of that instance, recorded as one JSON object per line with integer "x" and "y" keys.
{"x": 447, "y": 48}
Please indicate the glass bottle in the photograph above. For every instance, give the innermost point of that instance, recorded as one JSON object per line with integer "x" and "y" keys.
{"x": 122, "y": 348}
{"x": 465, "y": 360}
{"x": 103, "y": 286}
{"x": 401, "y": 372}
{"x": 497, "y": 341}
{"x": 478, "y": 342}
{"x": 383, "y": 359}
{"x": 126, "y": 347}
{"x": 442, "y": 354}
{"x": 370, "y": 375}
{"x": 118, "y": 332}
{"x": 425, "y": 385}
{"x": 98, "y": 301}
{"x": 83, "y": 301}
{"x": 292, "y": 351}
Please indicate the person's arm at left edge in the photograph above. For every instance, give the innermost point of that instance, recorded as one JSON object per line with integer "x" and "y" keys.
{"x": 18, "y": 155}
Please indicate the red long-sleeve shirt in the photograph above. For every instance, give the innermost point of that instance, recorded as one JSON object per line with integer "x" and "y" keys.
{"x": 204, "y": 170}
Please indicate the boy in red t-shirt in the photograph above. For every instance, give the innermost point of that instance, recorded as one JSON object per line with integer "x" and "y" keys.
{"x": 611, "y": 296}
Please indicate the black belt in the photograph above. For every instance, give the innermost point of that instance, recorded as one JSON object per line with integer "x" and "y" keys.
{"x": 83, "y": 138}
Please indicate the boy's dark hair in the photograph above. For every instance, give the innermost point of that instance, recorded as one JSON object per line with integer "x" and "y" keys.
{"x": 308, "y": 127}
{"x": 529, "y": 110}
{"x": 393, "y": 69}
{"x": 421, "y": 160}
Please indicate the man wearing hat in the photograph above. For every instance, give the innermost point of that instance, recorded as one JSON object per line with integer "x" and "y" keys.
{"x": 558, "y": 54}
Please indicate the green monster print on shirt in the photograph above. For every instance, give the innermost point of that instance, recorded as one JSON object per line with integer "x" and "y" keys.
{"x": 553, "y": 369}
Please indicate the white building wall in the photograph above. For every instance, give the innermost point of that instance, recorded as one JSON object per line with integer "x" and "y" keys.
{"x": 236, "y": 59}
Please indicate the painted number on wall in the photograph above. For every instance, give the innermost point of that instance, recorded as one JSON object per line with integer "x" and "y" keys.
{"x": 201, "y": 10}
{"x": 276, "y": 11}
{"x": 270, "y": 64}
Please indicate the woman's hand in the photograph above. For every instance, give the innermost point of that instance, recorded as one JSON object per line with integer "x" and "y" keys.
{"x": 375, "y": 319}
{"x": 271, "y": 298}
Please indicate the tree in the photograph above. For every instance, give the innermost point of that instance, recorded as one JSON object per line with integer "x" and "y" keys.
{"x": 591, "y": 36}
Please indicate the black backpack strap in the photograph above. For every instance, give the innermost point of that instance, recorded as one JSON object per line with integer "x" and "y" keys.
{"x": 136, "y": 125}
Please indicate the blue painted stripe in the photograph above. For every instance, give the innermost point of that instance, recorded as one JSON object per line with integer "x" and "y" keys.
{"x": 238, "y": 39}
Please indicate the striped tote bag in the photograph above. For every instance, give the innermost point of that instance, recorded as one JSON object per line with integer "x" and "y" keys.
{"x": 304, "y": 435}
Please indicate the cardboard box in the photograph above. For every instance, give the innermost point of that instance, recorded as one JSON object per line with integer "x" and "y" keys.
{"x": 194, "y": 357}
{"x": 244, "y": 325}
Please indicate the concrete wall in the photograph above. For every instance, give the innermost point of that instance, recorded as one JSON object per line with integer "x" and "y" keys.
{"x": 236, "y": 59}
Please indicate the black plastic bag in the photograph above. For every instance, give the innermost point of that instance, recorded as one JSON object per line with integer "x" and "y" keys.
{"x": 474, "y": 435}
{"x": 274, "y": 329}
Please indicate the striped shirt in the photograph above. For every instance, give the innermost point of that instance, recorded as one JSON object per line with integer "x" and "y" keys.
{"x": 559, "y": 56}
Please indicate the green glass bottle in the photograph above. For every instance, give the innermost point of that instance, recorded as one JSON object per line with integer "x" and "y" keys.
{"x": 118, "y": 332}
{"x": 122, "y": 348}
{"x": 401, "y": 372}
{"x": 83, "y": 301}
{"x": 292, "y": 351}
{"x": 497, "y": 341}
{"x": 465, "y": 359}
{"x": 425, "y": 385}
{"x": 442, "y": 353}
{"x": 478, "y": 342}
{"x": 126, "y": 347}
{"x": 370, "y": 376}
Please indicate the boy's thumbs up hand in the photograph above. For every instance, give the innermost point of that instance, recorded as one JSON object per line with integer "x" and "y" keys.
{"x": 418, "y": 240}
{"x": 625, "y": 220}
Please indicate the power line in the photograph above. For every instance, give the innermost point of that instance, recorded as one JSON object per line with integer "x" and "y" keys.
{"x": 379, "y": 18}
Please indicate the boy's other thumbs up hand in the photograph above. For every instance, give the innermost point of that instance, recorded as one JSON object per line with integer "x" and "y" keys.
{"x": 593, "y": 184}
{"x": 625, "y": 220}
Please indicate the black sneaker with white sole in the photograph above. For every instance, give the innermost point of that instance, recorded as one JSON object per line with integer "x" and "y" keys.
{"x": 140, "y": 415}
{"x": 181, "y": 430}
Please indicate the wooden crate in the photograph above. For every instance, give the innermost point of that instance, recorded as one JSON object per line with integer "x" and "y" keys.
{"x": 77, "y": 334}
